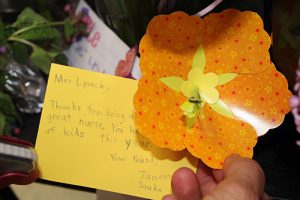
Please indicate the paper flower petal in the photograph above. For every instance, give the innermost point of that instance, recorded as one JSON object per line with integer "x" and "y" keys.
{"x": 215, "y": 137}
{"x": 208, "y": 80}
{"x": 163, "y": 52}
{"x": 189, "y": 108}
{"x": 195, "y": 74}
{"x": 235, "y": 42}
{"x": 226, "y": 77}
{"x": 189, "y": 89}
{"x": 260, "y": 100}
{"x": 199, "y": 60}
{"x": 210, "y": 95}
{"x": 158, "y": 114}
{"x": 173, "y": 82}
{"x": 221, "y": 108}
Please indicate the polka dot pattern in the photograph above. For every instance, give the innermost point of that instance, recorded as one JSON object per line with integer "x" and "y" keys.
{"x": 158, "y": 115}
{"x": 215, "y": 137}
{"x": 263, "y": 96}
{"x": 233, "y": 41}
{"x": 236, "y": 42}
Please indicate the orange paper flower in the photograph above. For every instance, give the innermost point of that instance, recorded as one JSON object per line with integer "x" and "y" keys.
{"x": 233, "y": 42}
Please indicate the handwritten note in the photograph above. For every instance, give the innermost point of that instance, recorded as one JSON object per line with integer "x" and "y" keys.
{"x": 87, "y": 137}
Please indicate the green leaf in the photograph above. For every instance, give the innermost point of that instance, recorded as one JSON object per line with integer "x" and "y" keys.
{"x": 221, "y": 108}
{"x": 40, "y": 59}
{"x": 52, "y": 54}
{"x": 2, "y": 123}
{"x": 9, "y": 30}
{"x": 40, "y": 33}
{"x": 20, "y": 52}
{"x": 69, "y": 28}
{"x": 28, "y": 17}
{"x": 61, "y": 59}
{"x": 43, "y": 9}
{"x": 173, "y": 82}
{"x": 199, "y": 60}
{"x": 225, "y": 78}
{"x": 6, "y": 105}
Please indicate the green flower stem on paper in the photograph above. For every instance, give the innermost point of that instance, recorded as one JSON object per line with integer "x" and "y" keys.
{"x": 192, "y": 109}
{"x": 200, "y": 88}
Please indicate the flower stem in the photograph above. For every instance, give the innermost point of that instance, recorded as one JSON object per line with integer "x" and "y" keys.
{"x": 12, "y": 38}
{"x": 37, "y": 26}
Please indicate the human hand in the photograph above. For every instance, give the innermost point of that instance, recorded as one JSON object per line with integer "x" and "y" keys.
{"x": 240, "y": 178}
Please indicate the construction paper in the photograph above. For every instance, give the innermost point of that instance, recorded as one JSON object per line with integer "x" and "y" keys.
{"x": 87, "y": 137}
{"x": 208, "y": 85}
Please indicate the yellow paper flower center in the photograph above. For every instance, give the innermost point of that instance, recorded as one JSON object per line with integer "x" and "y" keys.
{"x": 201, "y": 86}
{"x": 199, "y": 89}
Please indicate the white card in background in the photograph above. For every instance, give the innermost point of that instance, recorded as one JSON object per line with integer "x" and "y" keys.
{"x": 102, "y": 50}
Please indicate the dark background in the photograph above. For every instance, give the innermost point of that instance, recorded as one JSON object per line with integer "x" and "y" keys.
{"x": 276, "y": 152}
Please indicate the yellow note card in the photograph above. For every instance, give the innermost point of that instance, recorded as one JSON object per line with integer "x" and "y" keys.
{"x": 87, "y": 137}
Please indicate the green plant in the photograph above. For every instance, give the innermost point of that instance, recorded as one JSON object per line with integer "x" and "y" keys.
{"x": 32, "y": 39}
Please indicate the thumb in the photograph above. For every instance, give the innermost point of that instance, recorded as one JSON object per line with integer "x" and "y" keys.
{"x": 243, "y": 179}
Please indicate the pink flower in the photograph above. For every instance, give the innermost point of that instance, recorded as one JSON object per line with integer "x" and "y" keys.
{"x": 294, "y": 101}
{"x": 68, "y": 7}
